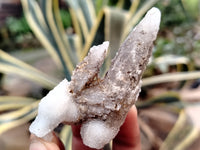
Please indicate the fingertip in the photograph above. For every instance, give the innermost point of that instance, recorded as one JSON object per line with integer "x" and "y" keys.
{"x": 40, "y": 144}
{"x": 128, "y": 137}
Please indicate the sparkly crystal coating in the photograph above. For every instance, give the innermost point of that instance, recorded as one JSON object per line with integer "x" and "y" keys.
{"x": 101, "y": 105}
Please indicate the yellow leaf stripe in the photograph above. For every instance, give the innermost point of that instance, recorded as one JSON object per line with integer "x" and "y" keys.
{"x": 66, "y": 137}
{"x": 18, "y": 117}
{"x": 135, "y": 18}
{"x": 67, "y": 58}
{"x": 171, "y": 77}
{"x": 184, "y": 131}
{"x": 9, "y": 64}
{"x": 12, "y": 102}
{"x": 33, "y": 18}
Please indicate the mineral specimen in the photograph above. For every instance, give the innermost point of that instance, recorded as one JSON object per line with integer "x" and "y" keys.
{"x": 100, "y": 105}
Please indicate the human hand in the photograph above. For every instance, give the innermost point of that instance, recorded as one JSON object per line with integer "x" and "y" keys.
{"x": 128, "y": 137}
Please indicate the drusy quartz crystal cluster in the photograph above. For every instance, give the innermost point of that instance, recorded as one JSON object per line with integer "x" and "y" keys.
{"x": 100, "y": 104}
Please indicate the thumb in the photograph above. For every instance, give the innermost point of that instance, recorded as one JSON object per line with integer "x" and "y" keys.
{"x": 52, "y": 143}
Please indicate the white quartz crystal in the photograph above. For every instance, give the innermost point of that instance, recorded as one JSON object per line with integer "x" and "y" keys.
{"x": 96, "y": 133}
{"x": 101, "y": 105}
{"x": 56, "y": 107}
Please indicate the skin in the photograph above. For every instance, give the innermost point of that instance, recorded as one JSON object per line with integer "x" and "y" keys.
{"x": 128, "y": 137}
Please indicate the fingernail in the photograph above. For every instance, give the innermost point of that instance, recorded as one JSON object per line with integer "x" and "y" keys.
{"x": 37, "y": 146}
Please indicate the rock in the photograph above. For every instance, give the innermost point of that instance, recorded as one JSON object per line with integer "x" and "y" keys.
{"x": 101, "y": 105}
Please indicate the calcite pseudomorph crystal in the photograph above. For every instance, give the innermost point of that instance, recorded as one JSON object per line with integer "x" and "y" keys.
{"x": 101, "y": 105}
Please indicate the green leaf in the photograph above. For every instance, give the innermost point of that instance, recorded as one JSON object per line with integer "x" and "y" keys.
{"x": 9, "y": 64}
{"x": 171, "y": 77}
{"x": 37, "y": 23}
{"x": 52, "y": 16}
{"x": 182, "y": 135}
{"x": 115, "y": 23}
{"x": 137, "y": 16}
{"x": 65, "y": 18}
{"x": 85, "y": 14}
{"x": 167, "y": 98}
{"x": 12, "y": 102}
{"x": 46, "y": 23}
{"x": 191, "y": 7}
{"x": 133, "y": 7}
{"x": 66, "y": 137}
{"x": 99, "y": 4}
{"x": 91, "y": 36}
{"x": 18, "y": 117}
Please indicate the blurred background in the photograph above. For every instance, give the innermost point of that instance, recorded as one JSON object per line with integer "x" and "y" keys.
{"x": 41, "y": 41}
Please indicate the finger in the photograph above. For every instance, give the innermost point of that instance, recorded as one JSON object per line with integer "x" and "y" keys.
{"x": 128, "y": 137}
{"x": 52, "y": 144}
{"x": 77, "y": 142}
